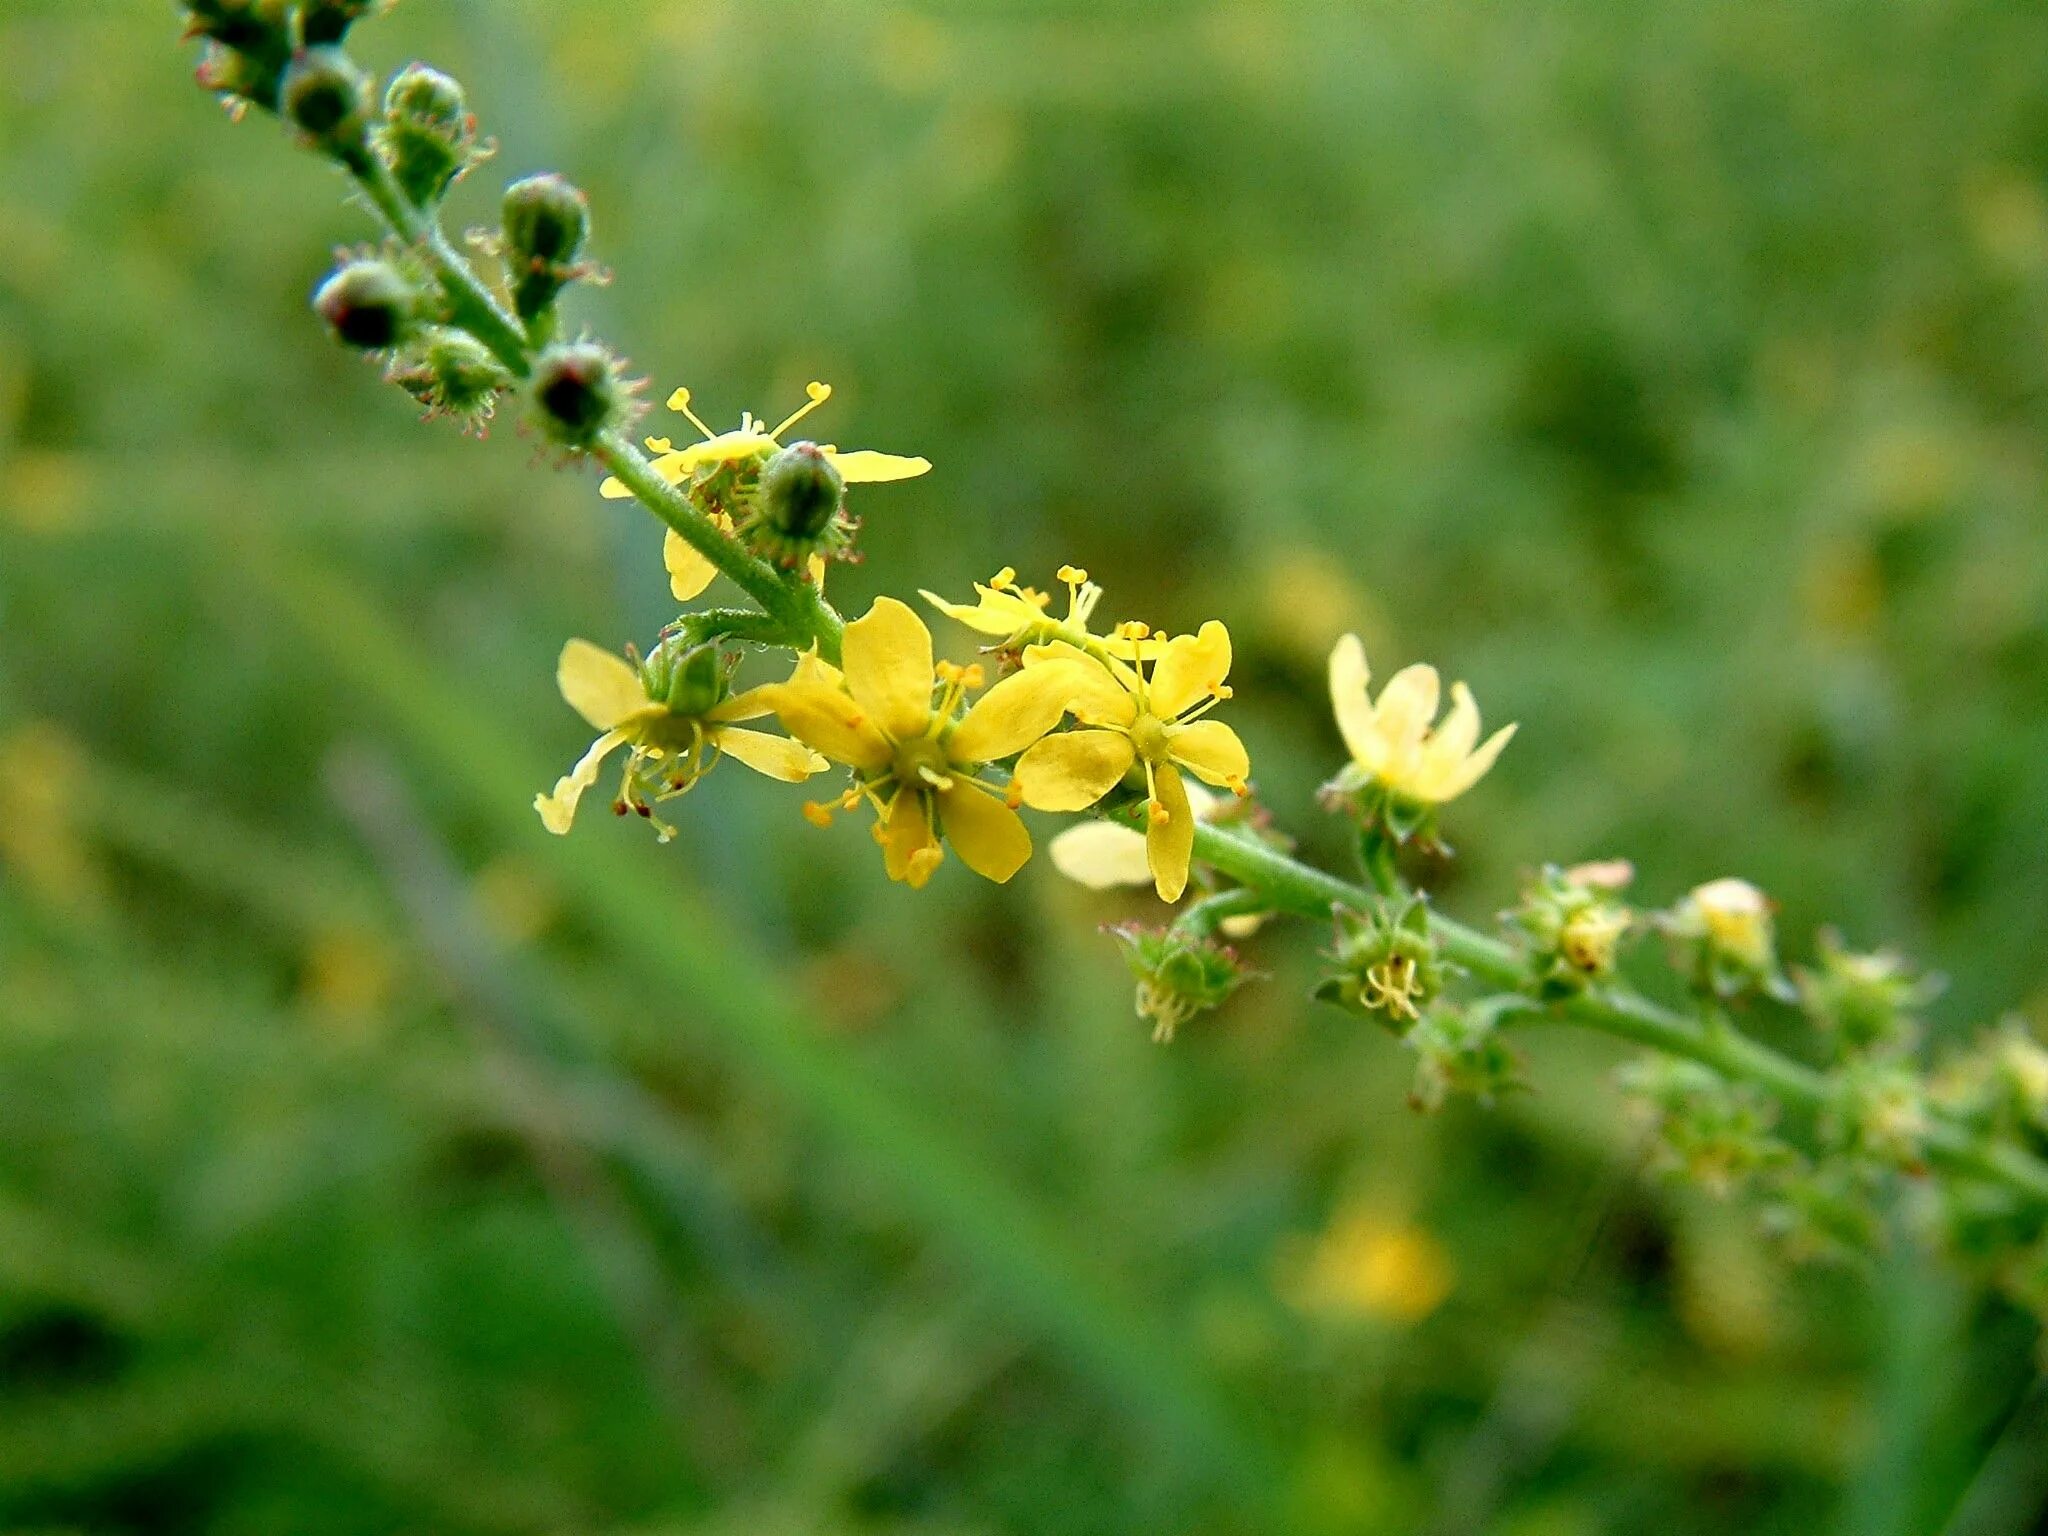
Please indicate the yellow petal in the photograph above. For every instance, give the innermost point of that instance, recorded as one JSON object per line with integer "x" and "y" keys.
{"x": 865, "y": 466}
{"x": 1170, "y": 840}
{"x": 1406, "y": 706}
{"x": 887, "y": 654}
{"x": 910, "y": 850}
{"x": 998, "y": 613}
{"x": 1016, "y": 712}
{"x": 1474, "y": 768}
{"x": 988, "y": 835}
{"x": 824, "y": 717}
{"x": 1101, "y": 855}
{"x": 716, "y": 450}
{"x": 750, "y": 705}
{"x": 1452, "y": 740}
{"x": 1190, "y": 669}
{"x": 1101, "y": 697}
{"x": 558, "y": 810}
{"x": 777, "y": 756}
{"x": 1349, "y": 701}
{"x": 689, "y": 573}
{"x": 1210, "y": 749}
{"x": 601, "y": 687}
{"x": 1070, "y": 772}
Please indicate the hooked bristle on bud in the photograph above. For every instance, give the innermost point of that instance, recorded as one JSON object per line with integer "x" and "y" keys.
{"x": 546, "y": 223}
{"x": 369, "y": 304}
{"x": 428, "y": 136}
{"x": 326, "y": 95}
{"x": 578, "y": 393}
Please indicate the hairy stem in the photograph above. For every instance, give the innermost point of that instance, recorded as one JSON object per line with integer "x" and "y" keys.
{"x": 1291, "y": 886}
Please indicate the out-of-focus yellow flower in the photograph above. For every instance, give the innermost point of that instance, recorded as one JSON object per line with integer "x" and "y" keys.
{"x": 350, "y": 973}
{"x": 753, "y": 440}
{"x": 689, "y": 573}
{"x": 674, "y": 739}
{"x": 1391, "y": 740}
{"x": 41, "y": 770}
{"x": 913, "y": 760}
{"x": 1154, "y": 721}
{"x": 1737, "y": 918}
{"x": 1369, "y": 1265}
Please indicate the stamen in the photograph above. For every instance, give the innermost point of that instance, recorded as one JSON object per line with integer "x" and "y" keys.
{"x": 818, "y": 813}
{"x": 819, "y": 394}
{"x": 1073, "y": 575}
{"x": 680, "y": 401}
{"x": 934, "y": 778}
{"x": 660, "y": 445}
{"x": 1006, "y": 577}
{"x": 1132, "y": 629}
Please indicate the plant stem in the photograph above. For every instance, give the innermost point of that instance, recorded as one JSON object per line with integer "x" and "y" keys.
{"x": 1290, "y": 886}
{"x": 796, "y": 606}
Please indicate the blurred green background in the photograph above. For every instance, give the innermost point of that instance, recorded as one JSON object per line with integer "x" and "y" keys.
{"x": 371, "y": 1162}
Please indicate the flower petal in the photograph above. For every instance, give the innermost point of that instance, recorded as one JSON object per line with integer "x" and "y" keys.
{"x": 1352, "y": 706}
{"x": 1070, "y": 772}
{"x": 1016, "y": 712}
{"x": 1210, "y": 750}
{"x": 865, "y": 466}
{"x": 998, "y": 613}
{"x": 988, "y": 835}
{"x": 887, "y": 655}
{"x": 1170, "y": 840}
{"x": 1101, "y": 855}
{"x": 689, "y": 573}
{"x": 1103, "y": 696}
{"x": 558, "y": 810}
{"x": 1191, "y": 668}
{"x": 601, "y": 687}
{"x": 777, "y": 756}
{"x": 825, "y": 717}
{"x": 910, "y": 849}
{"x": 1406, "y": 706}
{"x": 750, "y": 705}
{"x": 1474, "y": 768}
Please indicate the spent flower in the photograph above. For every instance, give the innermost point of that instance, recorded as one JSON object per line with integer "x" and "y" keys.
{"x": 1179, "y": 974}
{"x": 1387, "y": 963}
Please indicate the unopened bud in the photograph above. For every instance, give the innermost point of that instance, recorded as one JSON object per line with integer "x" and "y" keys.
{"x": 689, "y": 679}
{"x": 1723, "y": 934}
{"x": 240, "y": 79}
{"x": 578, "y": 393}
{"x": 368, "y": 304}
{"x": 326, "y": 96}
{"x": 1865, "y": 1002}
{"x": 801, "y": 493}
{"x": 428, "y": 135}
{"x": 328, "y": 21}
{"x": 260, "y": 27}
{"x": 547, "y": 221}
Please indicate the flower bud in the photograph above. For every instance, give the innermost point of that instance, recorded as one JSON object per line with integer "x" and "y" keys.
{"x": 1179, "y": 974}
{"x": 328, "y": 21}
{"x": 1460, "y": 1050}
{"x": 1715, "y": 1132}
{"x": 546, "y": 221}
{"x": 1388, "y": 967}
{"x": 240, "y": 79}
{"x": 1573, "y": 925}
{"x": 368, "y": 303}
{"x": 801, "y": 492}
{"x": 1880, "y": 1111}
{"x": 326, "y": 96}
{"x": 577, "y": 393}
{"x": 451, "y": 373}
{"x": 428, "y": 135}
{"x": 689, "y": 679}
{"x": 259, "y": 27}
{"x": 1865, "y": 1002}
{"x": 1723, "y": 934}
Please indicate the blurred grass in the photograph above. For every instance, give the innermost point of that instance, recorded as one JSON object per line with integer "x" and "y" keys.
{"x": 1674, "y": 374}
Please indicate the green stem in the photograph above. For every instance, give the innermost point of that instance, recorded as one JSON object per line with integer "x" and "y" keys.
{"x": 1202, "y": 918}
{"x": 1291, "y": 886}
{"x": 796, "y": 606}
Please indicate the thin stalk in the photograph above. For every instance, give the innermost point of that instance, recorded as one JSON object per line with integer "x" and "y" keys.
{"x": 1290, "y": 886}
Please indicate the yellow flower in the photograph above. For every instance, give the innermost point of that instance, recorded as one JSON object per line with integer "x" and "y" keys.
{"x": 674, "y": 739}
{"x": 1017, "y": 615}
{"x": 1392, "y": 742}
{"x": 1368, "y": 1265}
{"x": 1737, "y": 919}
{"x": 1153, "y": 721}
{"x": 913, "y": 760}
{"x": 753, "y": 440}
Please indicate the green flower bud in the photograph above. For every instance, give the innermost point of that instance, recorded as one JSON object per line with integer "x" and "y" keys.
{"x": 546, "y": 221}
{"x": 259, "y": 27}
{"x": 369, "y": 304}
{"x": 451, "y": 373}
{"x": 326, "y": 96}
{"x": 1460, "y": 1050}
{"x": 801, "y": 492}
{"x": 1717, "y": 1133}
{"x": 689, "y": 679}
{"x": 240, "y": 79}
{"x": 577, "y": 393}
{"x": 1388, "y": 965}
{"x": 1865, "y": 1002}
{"x": 328, "y": 21}
{"x": 1880, "y": 1111}
{"x": 1179, "y": 974}
{"x": 428, "y": 135}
